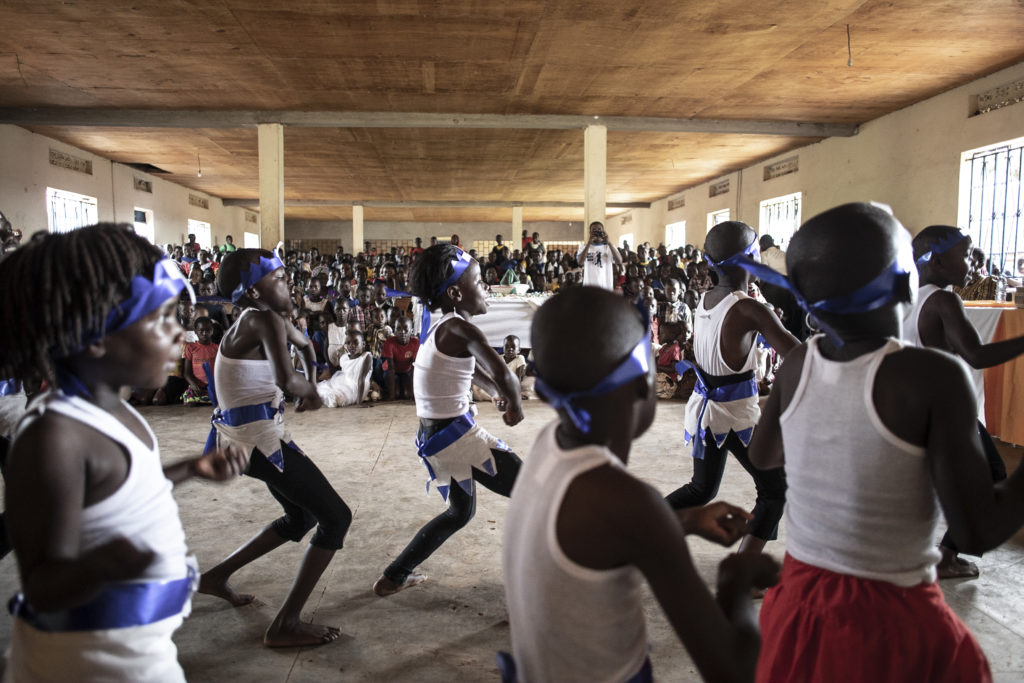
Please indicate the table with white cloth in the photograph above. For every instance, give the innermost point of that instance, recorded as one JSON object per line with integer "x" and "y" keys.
{"x": 509, "y": 315}
{"x": 1001, "y": 388}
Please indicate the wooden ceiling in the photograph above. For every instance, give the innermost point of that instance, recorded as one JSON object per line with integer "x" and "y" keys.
{"x": 776, "y": 60}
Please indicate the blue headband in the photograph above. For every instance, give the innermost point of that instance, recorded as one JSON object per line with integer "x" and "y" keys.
{"x": 942, "y": 246}
{"x": 869, "y": 297}
{"x": 147, "y": 295}
{"x": 460, "y": 263}
{"x": 254, "y": 273}
{"x": 637, "y": 364}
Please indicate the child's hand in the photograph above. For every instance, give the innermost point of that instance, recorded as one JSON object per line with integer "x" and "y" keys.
{"x": 743, "y": 570}
{"x": 118, "y": 560}
{"x": 719, "y": 522}
{"x": 222, "y": 464}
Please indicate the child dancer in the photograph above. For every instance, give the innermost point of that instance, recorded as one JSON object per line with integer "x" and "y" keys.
{"x": 456, "y": 451}
{"x": 105, "y": 573}
{"x": 583, "y": 533}
{"x": 253, "y": 369}
{"x": 937, "y": 320}
{"x": 858, "y": 600}
{"x": 723, "y": 409}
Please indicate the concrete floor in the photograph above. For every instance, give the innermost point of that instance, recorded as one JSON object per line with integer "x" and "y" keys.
{"x": 449, "y": 628}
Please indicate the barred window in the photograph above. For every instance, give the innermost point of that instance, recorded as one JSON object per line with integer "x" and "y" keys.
{"x": 780, "y": 218}
{"x": 716, "y": 217}
{"x": 991, "y": 203}
{"x": 67, "y": 211}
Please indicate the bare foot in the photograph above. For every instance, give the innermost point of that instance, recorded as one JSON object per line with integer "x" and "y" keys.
{"x": 386, "y": 586}
{"x": 953, "y": 566}
{"x": 211, "y": 586}
{"x": 300, "y": 634}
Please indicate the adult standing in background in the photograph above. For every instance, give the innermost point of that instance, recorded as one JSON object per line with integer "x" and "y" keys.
{"x": 228, "y": 246}
{"x": 597, "y": 258}
{"x": 771, "y": 255}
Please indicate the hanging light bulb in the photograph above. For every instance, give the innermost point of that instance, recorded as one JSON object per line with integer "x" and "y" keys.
{"x": 199, "y": 166}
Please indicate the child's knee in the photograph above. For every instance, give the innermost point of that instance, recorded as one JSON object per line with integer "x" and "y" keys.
{"x": 293, "y": 526}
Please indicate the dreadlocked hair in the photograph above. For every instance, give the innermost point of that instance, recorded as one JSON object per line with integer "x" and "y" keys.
{"x": 229, "y": 275}
{"x": 60, "y": 287}
{"x": 433, "y": 267}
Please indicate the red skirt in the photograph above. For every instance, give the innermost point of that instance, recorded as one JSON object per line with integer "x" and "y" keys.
{"x": 817, "y": 625}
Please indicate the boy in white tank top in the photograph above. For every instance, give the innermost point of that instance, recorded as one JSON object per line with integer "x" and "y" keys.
{"x": 857, "y": 599}
{"x": 583, "y": 534}
{"x": 105, "y": 575}
{"x": 938, "y": 321}
{"x": 722, "y": 412}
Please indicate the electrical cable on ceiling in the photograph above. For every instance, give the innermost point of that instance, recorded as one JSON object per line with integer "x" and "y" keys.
{"x": 199, "y": 166}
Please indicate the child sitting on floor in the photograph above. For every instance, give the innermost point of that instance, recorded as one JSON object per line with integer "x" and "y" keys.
{"x": 105, "y": 573}
{"x": 676, "y": 347}
{"x": 875, "y": 437}
{"x": 350, "y": 383}
{"x": 196, "y": 354}
{"x": 583, "y": 534}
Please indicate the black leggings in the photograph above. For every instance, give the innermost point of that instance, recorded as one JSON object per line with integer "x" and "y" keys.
{"x": 307, "y": 497}
{"x": 461, "y": 507}
{"x": 996, "y": 467}
{"x": 707, "y": 476}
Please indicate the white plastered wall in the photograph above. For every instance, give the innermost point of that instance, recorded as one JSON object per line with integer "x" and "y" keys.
{"x": 25, "y": 173}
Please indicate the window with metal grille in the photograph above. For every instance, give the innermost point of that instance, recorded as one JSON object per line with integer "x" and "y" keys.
{"x": 991, "y": 203}
{"x": 69, "y": 210}
{"x": 780, "y": 218}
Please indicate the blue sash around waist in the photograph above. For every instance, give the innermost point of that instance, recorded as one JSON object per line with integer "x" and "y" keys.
{"x": 238, "y": 416}
{"x": 119, "y": 606}
{"x": 735, "y": 388}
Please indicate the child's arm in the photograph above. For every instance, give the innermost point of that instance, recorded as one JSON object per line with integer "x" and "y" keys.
{"x": 274, "y": 333}
{"x": 188, "y": 373}
{"x": 766, "y": 451}
{"x": 943, "y": 319}
{"x": 980, "y": 515}
{"x": 364, "y": 372}
{"x": 463, "y": 339}
{"x": 609, "y": 519}
{"x": 217, "y": 465}
{"x": 48, "y": 486}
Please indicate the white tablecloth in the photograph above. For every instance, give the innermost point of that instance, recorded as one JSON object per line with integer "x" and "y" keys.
{"x": 509, "y": 315}
{"x": 985, "y": 321}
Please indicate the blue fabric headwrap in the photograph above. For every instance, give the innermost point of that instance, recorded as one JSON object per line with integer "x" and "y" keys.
{"x": 869, "y": 297}
{"x": 254, "y": 273}
{"x": 460, "y": 263}
{"x": 637, "y": 364}
{"x": 147, "y": 295}
{"x": 942, "y": 246}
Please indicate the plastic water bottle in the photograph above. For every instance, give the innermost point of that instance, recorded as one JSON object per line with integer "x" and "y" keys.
{"x": 1001, "y": 289}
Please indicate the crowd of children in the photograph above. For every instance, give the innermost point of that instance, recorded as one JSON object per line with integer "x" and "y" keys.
{"x": 102, "y": 556}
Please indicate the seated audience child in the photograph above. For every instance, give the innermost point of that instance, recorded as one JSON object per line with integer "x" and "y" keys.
{"x": 105, "y": 574}
{"x": 583, "y": 533}
{"x": 336, "y": 334}
{"x": 937, "y": 320}
{"x": 673, "y": 309}
{"x": 196, "y": 354}
{"x": 350, "y": 383}
{"x": 721, "y": 414}
{"x": 676, "y": 347}
{"x": 399, "y": 352}
{"x": 875, "y": 438}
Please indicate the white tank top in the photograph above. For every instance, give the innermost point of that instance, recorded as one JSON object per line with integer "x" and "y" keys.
{"x": 911, "y": 334}
{"x": 142, "y": 509}
{"x": 244, "y": 382}
{"x": 860, "y": 499}
{"x": 441, "y": 382}
{"x": 569, "y": 622}
{"x": 707, "y": 337}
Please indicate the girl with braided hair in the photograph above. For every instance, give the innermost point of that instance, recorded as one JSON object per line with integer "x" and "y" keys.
{"x": 106, "y": 576}
{"x": 455, "y": 450}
